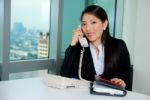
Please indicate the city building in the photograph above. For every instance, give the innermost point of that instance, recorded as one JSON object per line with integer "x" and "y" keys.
{"x": 43, "y": 45}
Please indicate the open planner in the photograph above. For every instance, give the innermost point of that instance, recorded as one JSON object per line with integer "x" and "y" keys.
{"x": 105, "y": 87}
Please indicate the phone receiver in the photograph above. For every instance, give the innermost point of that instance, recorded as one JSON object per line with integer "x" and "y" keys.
{"x": 83, "y": 42}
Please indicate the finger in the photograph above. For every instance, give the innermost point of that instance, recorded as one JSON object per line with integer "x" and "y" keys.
{"x": 118, "y": 81}
{"x": 79, "y": 31}
{"x": 114, "y": 79}
{"x": 76, "y": 32}
{"x": 122, "y": 83}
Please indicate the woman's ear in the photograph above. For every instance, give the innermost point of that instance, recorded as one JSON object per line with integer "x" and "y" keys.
{"x": 105, "y": 24}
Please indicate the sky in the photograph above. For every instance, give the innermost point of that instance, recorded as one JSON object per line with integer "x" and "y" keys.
{"x": 32, "y": 13}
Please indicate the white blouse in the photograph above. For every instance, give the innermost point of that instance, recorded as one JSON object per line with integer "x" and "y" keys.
{"x": 98, "y": 59}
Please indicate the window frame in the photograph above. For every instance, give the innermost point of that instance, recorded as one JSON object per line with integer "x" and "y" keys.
{"x": 36, "y": 64}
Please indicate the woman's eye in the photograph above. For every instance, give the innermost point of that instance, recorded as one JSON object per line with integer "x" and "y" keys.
{"x": 93, "y": 22}
{"x": 83, "y": 24}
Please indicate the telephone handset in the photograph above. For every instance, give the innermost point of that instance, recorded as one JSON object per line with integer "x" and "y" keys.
{"x": 83, "y": 40}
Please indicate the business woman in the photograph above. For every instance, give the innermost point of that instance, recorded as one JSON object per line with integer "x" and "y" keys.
{"x": 105, "y": 56}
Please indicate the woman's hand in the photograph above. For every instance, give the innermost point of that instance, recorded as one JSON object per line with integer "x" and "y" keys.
{"x": 118, "y": 81}
{"x": 76, "y": 34}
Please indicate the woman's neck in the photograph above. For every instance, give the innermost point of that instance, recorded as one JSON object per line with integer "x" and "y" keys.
{"x": 96, "y": 46}
{"x": 96, "y": 43}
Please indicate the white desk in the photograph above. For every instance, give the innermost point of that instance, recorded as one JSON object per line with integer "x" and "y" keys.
{"x": 35, "y": 89}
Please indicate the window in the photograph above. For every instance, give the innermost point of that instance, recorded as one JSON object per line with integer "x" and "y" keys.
{"x": 29, "y": 30}
{"x": 29, "y": 34}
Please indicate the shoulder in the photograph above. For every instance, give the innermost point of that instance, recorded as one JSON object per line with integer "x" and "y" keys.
{"x": 118, "y": 45}
{"x": 118, "y": 42}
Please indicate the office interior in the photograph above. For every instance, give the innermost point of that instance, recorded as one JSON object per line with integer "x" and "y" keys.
{"x": 26, "y": 25}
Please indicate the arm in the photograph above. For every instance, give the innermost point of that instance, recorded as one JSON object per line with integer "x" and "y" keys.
{"x": 124, "y": 64}
{"x": 69, "y": 67}
{"x": 70, "y": 64}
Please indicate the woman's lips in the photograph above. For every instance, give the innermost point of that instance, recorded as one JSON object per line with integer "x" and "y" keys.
{"x": 90, "y": 34}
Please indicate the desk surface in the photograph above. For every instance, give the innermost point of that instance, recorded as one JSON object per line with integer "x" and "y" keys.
{"x": 35, "y": 89}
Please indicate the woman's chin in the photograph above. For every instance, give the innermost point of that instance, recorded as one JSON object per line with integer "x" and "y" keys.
{"x": 91, "y": 40}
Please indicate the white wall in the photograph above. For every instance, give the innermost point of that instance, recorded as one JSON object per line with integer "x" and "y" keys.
{"x": 136, "y": 33}
{"x": 129, "y": 25}
{"x": 142, "y": 48}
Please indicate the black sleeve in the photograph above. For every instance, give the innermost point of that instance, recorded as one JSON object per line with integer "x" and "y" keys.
{"x": 124, "y": 65}
{"x": 69, "y": 67}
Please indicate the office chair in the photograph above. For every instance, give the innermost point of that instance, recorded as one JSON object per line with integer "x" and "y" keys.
{"x": 130, "y": 78}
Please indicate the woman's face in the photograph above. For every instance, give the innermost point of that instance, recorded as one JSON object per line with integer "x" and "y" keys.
{"x": 93, "y": 27}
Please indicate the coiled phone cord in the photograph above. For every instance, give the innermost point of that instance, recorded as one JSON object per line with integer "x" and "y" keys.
{"x": 80, "y": 64}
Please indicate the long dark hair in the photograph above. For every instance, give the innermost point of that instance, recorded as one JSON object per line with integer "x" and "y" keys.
{"x": 110, "y": 51}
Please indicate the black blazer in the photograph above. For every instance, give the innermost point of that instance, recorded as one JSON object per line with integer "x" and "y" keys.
{"x": 71, "y": 63}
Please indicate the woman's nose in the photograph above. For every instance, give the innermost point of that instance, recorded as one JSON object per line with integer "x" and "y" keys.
{"x": 88, "y": 28}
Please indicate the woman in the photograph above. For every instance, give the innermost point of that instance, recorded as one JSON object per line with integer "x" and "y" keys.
{"x": 105, "y": 56}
